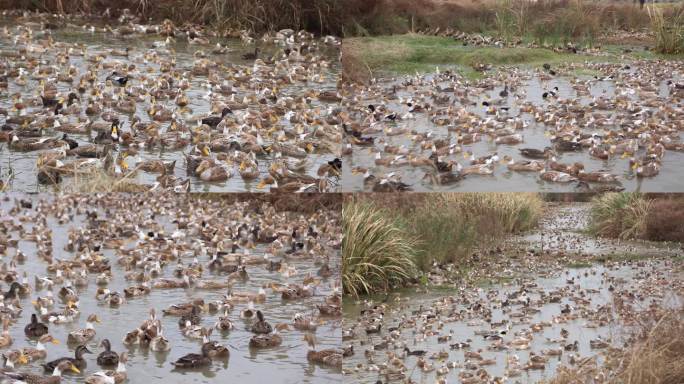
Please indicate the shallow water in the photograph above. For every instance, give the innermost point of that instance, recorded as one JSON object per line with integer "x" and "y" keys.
{"x": 23, "y": 163}
{"x": 589, "y": 284}
{"x": 529, "y": 88}
{"x": 288, "y": 362}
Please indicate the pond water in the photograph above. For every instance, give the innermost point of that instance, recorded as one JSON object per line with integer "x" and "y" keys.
{"x": 286, "y": 363}
{"x": 468, "y": 313}
{"x": 622, "y": 96}
{"x": 295, "y": 79}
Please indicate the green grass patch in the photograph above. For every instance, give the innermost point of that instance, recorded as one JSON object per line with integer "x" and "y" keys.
{"x": 579, "y": 264}
{"x": 410, "y": 53}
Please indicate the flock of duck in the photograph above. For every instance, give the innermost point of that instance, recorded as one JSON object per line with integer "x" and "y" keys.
{"x": 261, "y": 280}
{"x": 591, "y": 127}
{"x": 247, "y": 116}
{"x": 539, "y": 315}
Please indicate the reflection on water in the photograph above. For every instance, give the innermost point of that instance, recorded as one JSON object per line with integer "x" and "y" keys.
{"x": 284, "y": 364}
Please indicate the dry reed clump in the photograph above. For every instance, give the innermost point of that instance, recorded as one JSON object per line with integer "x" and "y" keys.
{"x": 665, "y": 220}
{"x": 655, "y": 356}
{"x": 97, "y": 180}
{"x": 377, "y": 254}
{"x": 561, "y": 19}
{"x": 620, "y": 215}
{"x": 437, "y": 228}
{"x": 668, "y": 27}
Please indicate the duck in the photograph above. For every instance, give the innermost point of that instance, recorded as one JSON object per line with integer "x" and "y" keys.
{"x": 193, "y": 360}
{"x": 56, "y": 378}
{"x": 213, "y": 121}
{"x": 111, "y": 377}
{"x": 159, "y": 343}
{"x": 107, "y": 357}
{"x": 213, "y": 349}
{"x": 261, "y": 325}
{"x": 5, "y": 338}
{"x": 35, "y": 328}
{"x": 39, "y": 352}
{"x": 556, "y": 177}
{"x": 266, "y": 340}
{"x": 78, "y": 361}
{"x": 84, "y": 335}
{"x": 534, "y": 153}
{"x": 330, "y": 357}
{"x": 118, "y": 79}
{"x": 224, "y": 323}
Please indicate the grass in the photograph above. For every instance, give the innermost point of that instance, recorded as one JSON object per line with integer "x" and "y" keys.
{"x": 579, "y": 264}
{"x": 619, "y": 215}
{"x": 668, "y": 29}
{"x": 97, "y": 180}
{"x": 410, "y": 53}
{"x": 656, "y": 217}
{"x": 377, "y": 253}
{"x": 655, "y": 356}
{"x": 389, "y": 239}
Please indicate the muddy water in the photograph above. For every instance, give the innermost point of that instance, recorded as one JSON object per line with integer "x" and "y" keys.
{"x": 590, "y": 284}
{"x": 284, "y": 364}
{"x": 534, "y": 136}
{"x": 23, "y": 164}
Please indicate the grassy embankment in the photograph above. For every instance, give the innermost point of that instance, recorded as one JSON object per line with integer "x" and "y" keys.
{"x": 389, "y": 240}
{"x": 389, "y": 47}
{"x": 636, "y": 216}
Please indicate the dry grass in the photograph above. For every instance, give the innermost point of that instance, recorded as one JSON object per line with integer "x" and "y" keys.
{"x": 668, "y": 28}
{"x": 377, "y": 254}
{"x": 97, "y": 180}
{"x": 655, "y": 356}
{"x": 450, "y": 226}
{"x": 656, "y": 217}
{"x": 620, "y": 215}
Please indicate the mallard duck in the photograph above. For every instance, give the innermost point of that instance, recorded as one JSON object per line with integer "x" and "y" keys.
{"x": 330, "y": 357}
{"x": 213, "y": 120}
{"x": 118, "y": 79}
{"x": 193, "y": 360}
{"x": 39, "y": 352}
{"x": 534, "y": 153}
{"x": 224, "y": 323}
{"x": 525, "y": 166}
{"x": 111, "y": 377}
{"x": 11, "y": 358}
{"x": 84, "y": 335}
{"x": 266, "y": 341}
{"x": 107, "y": 357}
{"x": 56, "y": 378}
{"x": 77, "y": 360}
{"x": 35, "y": 328}
{"x": 5, "y": 338}
{"x": 261, "y": 325}
{"x": 159, "y": 343}
{"x": 212, "y": 348}
{"x": 556, "y": 177}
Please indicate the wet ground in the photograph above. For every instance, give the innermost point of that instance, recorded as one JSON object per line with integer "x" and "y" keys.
{"x": 272, "y": 101}
{"x": 287, "y": 362}
{"x": 517, "y": 323}
{"x": 612, "y": 113}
